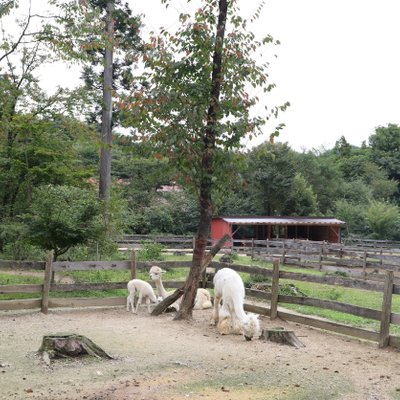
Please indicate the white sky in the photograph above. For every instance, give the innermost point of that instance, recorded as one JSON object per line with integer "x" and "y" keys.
{"x": 338, "y": 64}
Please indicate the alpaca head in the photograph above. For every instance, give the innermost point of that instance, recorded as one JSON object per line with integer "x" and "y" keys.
{"x": 251, "y": 327}
{"x": 156, "y": 272}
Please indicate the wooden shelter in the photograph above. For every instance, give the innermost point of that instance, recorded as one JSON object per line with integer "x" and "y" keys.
{"x": 260, "y": 228}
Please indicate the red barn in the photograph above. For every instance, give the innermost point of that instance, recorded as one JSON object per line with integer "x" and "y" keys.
{"x": 260, "y": 228}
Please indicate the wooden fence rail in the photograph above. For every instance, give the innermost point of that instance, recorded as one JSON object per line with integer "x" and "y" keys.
{"x": 367, "y": 261}
{"x": 385, "y": 316}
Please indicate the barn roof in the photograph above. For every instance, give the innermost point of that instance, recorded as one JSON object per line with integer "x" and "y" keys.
{"x": 323, "y": 221}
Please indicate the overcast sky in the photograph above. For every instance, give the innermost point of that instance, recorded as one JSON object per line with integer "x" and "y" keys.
{"x": 338, "y": 64}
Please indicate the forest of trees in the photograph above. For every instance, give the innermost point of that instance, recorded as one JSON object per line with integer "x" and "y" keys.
{"x": 51, "y": 146}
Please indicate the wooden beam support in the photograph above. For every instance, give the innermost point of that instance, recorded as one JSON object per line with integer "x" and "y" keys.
{"x": 275, "y": 289}
{"x": 47, "y": 282}
{"x": 384, "y": 332}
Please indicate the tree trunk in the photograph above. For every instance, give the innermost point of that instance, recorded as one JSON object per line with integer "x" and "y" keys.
{"x": 207, "y": 165}
{"x": 106, "y": 118}
{"x": 279, "y": 335}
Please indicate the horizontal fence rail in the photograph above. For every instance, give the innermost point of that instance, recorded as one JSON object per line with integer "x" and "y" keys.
{"x": 388, "y": 287}
{"x": 370, "y": 260}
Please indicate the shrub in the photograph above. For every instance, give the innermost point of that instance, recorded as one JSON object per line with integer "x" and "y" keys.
{"x": 150, "y": 251}
{"x": 61, "y": 217}
{"x": 15, "y": 245}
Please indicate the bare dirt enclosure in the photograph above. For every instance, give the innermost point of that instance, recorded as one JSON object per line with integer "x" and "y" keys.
{"x": 157, "y": 359}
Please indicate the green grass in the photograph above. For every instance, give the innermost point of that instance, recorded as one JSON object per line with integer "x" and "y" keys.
{"x": 11, "y": 279}
{"x": 98, "y": 276}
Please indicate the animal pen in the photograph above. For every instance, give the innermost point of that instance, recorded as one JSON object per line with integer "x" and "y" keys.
{"x": 264, "y": 303}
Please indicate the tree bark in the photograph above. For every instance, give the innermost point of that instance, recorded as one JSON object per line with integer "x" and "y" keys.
{"x": 207, "y": 166}
{"x": 279, "y": 335}
{"x": 106, "y": 118}
{"x": 69, "y": 345}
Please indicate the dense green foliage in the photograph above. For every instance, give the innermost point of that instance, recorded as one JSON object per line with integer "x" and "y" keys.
{"x": 61, "y": 217}
{"x": 51, "y": 141}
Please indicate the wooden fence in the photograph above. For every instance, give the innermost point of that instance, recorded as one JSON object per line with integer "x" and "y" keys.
{"x": 385, "y": 315}
{"x": 171, "y": 242}
{"x": 376, "y": 243}
{"x": 358, "y": 261}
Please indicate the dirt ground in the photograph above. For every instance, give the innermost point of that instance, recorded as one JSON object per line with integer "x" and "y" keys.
{"x": 157, "y": 358}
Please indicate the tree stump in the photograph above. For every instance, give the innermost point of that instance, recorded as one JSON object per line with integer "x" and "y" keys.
{"x": 69, "y": 345}
{"x": 279, "y": 335}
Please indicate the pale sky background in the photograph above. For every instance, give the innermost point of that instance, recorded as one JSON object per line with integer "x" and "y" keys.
{"x": 338, "y": 64}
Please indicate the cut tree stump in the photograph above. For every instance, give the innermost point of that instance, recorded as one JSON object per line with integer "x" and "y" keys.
{"x": 279, "y": 335}
{"x": 69, "y": 345}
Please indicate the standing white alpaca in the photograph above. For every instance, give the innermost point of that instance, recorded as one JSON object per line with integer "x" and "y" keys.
{"x": 203, "y": 297}
{"x": 231, "y": 318}
{"x": 145, "y": 292}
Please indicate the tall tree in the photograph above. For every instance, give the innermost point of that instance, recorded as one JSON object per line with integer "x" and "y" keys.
{"x": 385, "y": 151}
{"x": 104, "y": 35}
{"x": 270, "y": 172}
{"x": 28, "y": 114}
{"x": 197, "y": 107}
{"x": 106, "y": 118}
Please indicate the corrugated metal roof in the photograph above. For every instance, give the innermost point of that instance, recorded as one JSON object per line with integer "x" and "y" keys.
{"x": 283, "y": 221}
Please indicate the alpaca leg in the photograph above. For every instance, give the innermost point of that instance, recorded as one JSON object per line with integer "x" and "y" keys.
{"x": 215, "y": 314}
{"x": 130, "y": 302}
{"x": 236, "y": 325}
{"x": 139, "y": 301}
{"x": 148, "y": 304}
{"x": 224, "y": 325}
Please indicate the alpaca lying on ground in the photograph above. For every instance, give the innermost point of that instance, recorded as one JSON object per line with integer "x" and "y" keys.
{"x": 145, "y": 292}
{"x": 231, "y": 318}
{"x": 203, "y": 297}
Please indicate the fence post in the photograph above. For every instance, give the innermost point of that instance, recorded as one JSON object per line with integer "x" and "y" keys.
{"x": 252, "y": 248}
{"x": 274, "y": 289}
{"x": 384, "y": 332}
{"x": 283, "y": 251}
{"x": 133, "y": 264}
{"x": 320, "y": 258}
{"x": 365, "y": 264}
{"x": 47, "y": 282}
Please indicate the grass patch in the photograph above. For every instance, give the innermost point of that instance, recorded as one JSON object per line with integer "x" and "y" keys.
{"x": 11, "y": 279}
{"x": 90, "y": 293}
{"x": 98, "y": 276}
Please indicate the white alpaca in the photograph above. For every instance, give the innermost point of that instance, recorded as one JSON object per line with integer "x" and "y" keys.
{"x": 145, "y": 292}
{"x": 203, "y": 297}
{"x": 231, "y": 318}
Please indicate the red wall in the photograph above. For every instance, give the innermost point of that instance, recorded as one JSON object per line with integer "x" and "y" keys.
{"x": 219, "y": 228}
{"x": 334, "y": 234}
